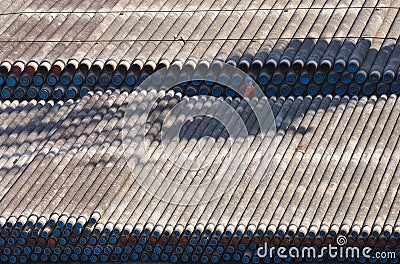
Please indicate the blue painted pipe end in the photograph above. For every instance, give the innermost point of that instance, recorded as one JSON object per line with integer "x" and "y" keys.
{"x": 173, "y": 259}
{"x": 340, "y": 90}
{"x": 58, "y": 94}
{"x": 217, "y": 91}
{"x": 305, "y": 79}
{"x": 189, "y": 249}
{"x": 381, "y": 89}
{"x": 312, "y": 89}
{"x": 193, "y": 241}
{"x": 104, "y": 80}
{"x": 38, "y": 80}
{"x": 15, "y": 233}
{"x": 78, "y": 80}
{"x": 179, "y": 249}
{"x": 290, "y": 233}
{"x": 230, "y": 249}
{"x": 70, "y": 94}
{"x": 220, "y": 249}
{"x": 230, "y": 92}
{"x": 375, "y": 233}
{"x": 34, "y": 257}
{"x": 9, "y": 224}
{"x": 277, "y": 78}
{"x": 82, "y": 240}
{"x": 64, "y": 257}
{"x": 196, "y": 80}
{"x": 239, "y": 233}
{"x": 387, "y": 78}
{"x": 84, "y": 91}
{"x": 319, "y": 78}
{"x": 5, "y": 233}
{"x": 44, "y": 94}
{"x": 395, "y": 88}
{"x": 38, "y": 250}
{"x": 327, "y": 89}
{"x": 11, "y": 81}
{"x": 91, "y": 80}
{"x": 65, "y": 79}
{"x": 346, "y": 78}
{"x": 298, "y": 90}
{"x": 339, "y": 66}
{"x": 374, "y": 78}
{"x": 176, "y": 233}
{"x": 332, "y": 78}
{"x": 367, "y": 89}
{"x": 204, "y": 259}
{"x": 57, "y": 232}
{"x": 51, "y": 79}
{"x": 203, "y": 241}
{"x": 84, "y": 258}
{"x": 236, "y": 257}
{"x": 271, "y": 91}
{"x": 6, "y": 92}
{"x": 107, "y": 231}
{"x": 354, "y": 234}
{"x": 25, "y": 81}
{"x": 19, "y": 93}
{"x": 223, "y": 79}
{"x": 203, "y": 91}
{"x": 236, "y": 79}
{"x": 190, "y": 91}
{"x": 352, "y": 67}
{"x": 284, "y": 91}
{"x": 246, "y": 259}
{"x": 249, "y": 79}
{"x": 195, "y": 258}
{"x": 117, "y": 80}
{"x": 164, "y": 257}
{"x": 354, "y": 89}
{"x": 263, "y": 79}
{"x": 291, "y": 78}
{"x": 178, "y": 89}
{"x": 135, "y": 256}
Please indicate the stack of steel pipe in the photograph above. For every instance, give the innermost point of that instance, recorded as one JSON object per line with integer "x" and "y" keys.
{"x": 337, "y": 47}
{"x": 88, "y": 170}
{"x": 69, "y": 192}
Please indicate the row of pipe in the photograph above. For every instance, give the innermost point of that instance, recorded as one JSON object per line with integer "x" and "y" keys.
{"x": 57, "y": 241}
{"x": 207, "y": 87}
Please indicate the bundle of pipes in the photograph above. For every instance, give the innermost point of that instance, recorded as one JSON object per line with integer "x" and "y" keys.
{"x": 69, "y": 192}
{"x": 336, "y": 47}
